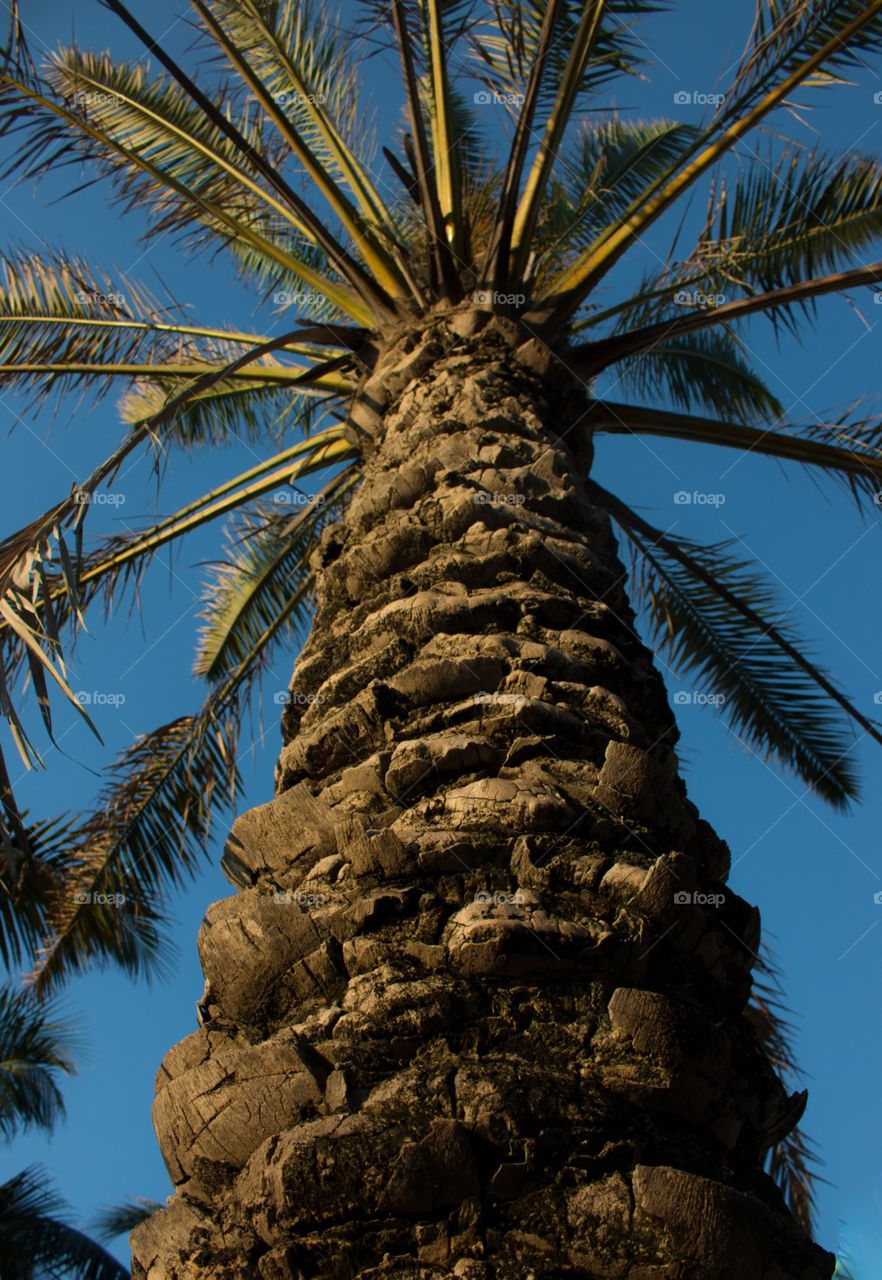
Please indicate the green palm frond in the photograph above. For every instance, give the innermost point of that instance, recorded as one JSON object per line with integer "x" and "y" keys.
{"x": 267, "y": 561}
{"x": 65, "y": 326}
{"x": 118, "y": 563}
{"x": 705, "y": 370}
{"x": 153, "y": 822}
{"x": 505, "y": 44}
{"x": 33, "y": 864}
{"x": 850, "y": 450}
{"x": 121, "y": 1219}
{"x": 716, "y": 618}
{"x": 844, "y": 1268}
{"x": 35, "y": 1047}
{"x": 833, "y": 36}
{"x": 256, "y": 412}
{"x": 27, "y": 557}
{"x": 785, "y": 35}
{"x": 303, "y": 56}
{"x": 384, "y": 267}
{"x": 793, "y": 1163}
{"x": 604, "y": 168}
{"x": 159, "y": 149}
{"x": 36, "y": 1243}
{"x": 789, "y": 219}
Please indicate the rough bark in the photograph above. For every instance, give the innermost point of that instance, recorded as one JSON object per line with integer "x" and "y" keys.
{"x": 477, "y": 1008}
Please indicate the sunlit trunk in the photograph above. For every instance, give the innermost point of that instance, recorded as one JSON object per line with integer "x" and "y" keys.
{"x": 477, "y": 1008}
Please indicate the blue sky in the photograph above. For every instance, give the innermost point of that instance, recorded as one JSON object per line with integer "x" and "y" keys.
{"x": 813, "y": 872}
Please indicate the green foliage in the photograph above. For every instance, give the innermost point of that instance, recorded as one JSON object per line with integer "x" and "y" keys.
{"x": 776, "y": 708}
{"x": 35, "y": 1046}
{"x": 705, "y": 370}
{"x": 36, "y": 1243}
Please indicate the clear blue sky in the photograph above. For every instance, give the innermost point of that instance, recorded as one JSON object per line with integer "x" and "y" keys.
{"x": 813, "y": 872}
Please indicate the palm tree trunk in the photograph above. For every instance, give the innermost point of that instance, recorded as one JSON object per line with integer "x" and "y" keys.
{"x": 477, "y": 1009}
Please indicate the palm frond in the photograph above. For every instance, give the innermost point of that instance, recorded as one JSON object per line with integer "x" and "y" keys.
{"x": 121, "y": 1219}
{"x": 267, "y": 560}
{"x": 581, "y": 47}
{"x": 716, "y": 618}
{"x": 603, "y": 169}
{"x": 384, "y": 266}
{"x": 65, "y": 325}
{"x": 505, "y": 42}
{"x": 159, "y": 149}
{"x": 153, "y": 822}
{"x": 594, "y": 356}
{"x": 786, "y": 35}
{"x": 704, "y": 370}
{"x": 443, "y": 268}
{"x": 785, "y": 221}
{"x": 836, "y": 33}
{"x": 36, "y": 1243}
{"x": 228, "y": 413}
{"x": 445, "y": 143}
{"x": 303, "y": 55}
{"x": 849, "y": 450}
{"x": 35, "y": 1047}
{"x": 844, "y": 1268}
{"x": 793, "y": 1163}
{"x": 33, "y": 863}
{"x": 119, "y": 562}
{"x": 26, "y": 563}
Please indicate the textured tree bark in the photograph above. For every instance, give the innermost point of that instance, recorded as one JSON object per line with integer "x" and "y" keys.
{"x": 477, "y": 1007}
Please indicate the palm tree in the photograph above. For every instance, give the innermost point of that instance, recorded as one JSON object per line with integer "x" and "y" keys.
{"x": 479, "y": 1006}
{"x": 36, "y": 1241}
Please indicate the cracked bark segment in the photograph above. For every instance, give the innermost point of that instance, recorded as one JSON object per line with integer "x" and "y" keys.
{"x": 425, "y": 760}
{"x": 513, "y": 938}
{"x": 723, "y": 1232}
{"x": 211, "y": 1118}
{"x": 162, "y": 1243}
{"x": 435, "y": 1173}
{"x": 288, "y": 831}
{"x": 326, "y": 1170}
{"x": 247, "y": 943}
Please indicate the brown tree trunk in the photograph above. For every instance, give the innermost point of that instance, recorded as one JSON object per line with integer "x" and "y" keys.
{"x": 477, "y": 1009}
